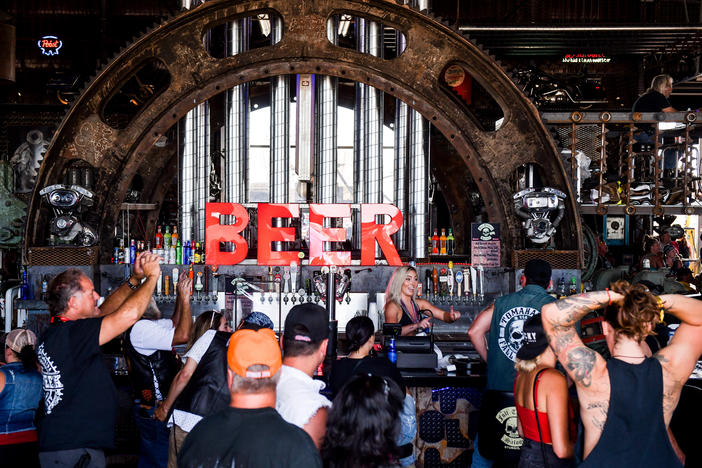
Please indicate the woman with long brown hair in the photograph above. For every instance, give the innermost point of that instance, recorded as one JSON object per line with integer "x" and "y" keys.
{"x": 627, "y": 402}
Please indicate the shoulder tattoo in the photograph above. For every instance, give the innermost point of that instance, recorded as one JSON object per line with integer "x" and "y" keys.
{"x": 580, "y": 361}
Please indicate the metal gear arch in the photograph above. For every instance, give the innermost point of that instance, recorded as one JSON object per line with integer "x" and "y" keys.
{"x": 195, "y": 76}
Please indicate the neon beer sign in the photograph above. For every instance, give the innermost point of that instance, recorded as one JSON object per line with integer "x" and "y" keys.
{"x": 49, "y": 45}
{"x": 371, "y": 232}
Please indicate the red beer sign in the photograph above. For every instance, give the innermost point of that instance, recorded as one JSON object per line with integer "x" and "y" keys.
{"x": 267, "y": 233}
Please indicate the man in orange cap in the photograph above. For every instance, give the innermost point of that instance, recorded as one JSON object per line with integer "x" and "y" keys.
{"x": 250, "y": 432}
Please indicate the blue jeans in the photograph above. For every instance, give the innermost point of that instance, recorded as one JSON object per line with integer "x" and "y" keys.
{"x": 408, "y": 428}
{"x": 478, "y": 460}
{"x": 153, "y": 450}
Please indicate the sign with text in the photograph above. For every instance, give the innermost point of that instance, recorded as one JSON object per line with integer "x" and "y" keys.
{"x": 485, "y": 244}
{"x": 269, "y": 232}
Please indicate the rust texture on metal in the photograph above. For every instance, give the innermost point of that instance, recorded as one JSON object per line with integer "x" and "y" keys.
{"x": 414, "y": 77}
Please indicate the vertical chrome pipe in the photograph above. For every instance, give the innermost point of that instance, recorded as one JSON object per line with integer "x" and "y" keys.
{"x": 418, "y": 182}
{"x": 373, "y": 116}
{"x": 236, "y": 122}
{"x": 195, "y": 164}
{"x": 326, "y": 160}
{"x": 280, "y": 128}
{"x": 400, "y": 151}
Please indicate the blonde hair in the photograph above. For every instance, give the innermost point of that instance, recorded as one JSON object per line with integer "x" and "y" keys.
{"x": 393, "y": 293}
{"x": 660, "y": 82}
{"x": 527, "y": 365}
{"x": 208, "y": 320}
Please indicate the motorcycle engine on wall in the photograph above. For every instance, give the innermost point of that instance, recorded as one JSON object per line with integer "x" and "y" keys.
{"x": 68, "y": 202}
{"x": 536, "y": 206}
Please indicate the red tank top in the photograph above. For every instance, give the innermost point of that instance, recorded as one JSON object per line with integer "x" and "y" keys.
{"x": 528, "y": 418}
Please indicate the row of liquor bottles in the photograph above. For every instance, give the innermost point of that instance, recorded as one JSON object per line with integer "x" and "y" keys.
{"x": 442, "y": 244}
{"x": 168, "y": 246}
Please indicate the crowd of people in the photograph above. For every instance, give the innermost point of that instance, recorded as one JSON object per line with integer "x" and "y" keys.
{"x": 249, "y": 398}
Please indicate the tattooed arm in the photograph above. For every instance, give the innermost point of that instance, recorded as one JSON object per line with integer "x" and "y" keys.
{"x": 585, "y": 366}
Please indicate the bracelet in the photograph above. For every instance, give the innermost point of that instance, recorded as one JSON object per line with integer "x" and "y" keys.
{"x": 660, "y": 307}
{"x": 131, "y": 286}
{"x": 609, "y": 298}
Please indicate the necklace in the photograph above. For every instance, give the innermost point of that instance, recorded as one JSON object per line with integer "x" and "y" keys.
{"x": 630, "y": 357}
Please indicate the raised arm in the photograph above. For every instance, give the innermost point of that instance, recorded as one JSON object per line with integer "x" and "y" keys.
{"x": 117, "y": 298}
{"x": 678, "y": 359}
{"x": 182, "y": 316}
{"x": 559, "y": 318}
{"x": 179, "y": 382}
{"x": 479, "y": 329}
{"x": 134, "y": 306}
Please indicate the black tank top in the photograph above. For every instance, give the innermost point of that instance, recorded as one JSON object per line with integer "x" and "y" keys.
{"x": 407, "y": 317}
{"x": 634, "y": 434}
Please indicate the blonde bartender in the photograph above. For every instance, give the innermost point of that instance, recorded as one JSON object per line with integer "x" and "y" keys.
{"x": 403, "y": 307}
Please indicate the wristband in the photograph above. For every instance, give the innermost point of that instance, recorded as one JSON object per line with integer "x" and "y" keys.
{"x": 660, "y": 307}
{"x": 609, "y": 298}
{"x": 131, "y": 286}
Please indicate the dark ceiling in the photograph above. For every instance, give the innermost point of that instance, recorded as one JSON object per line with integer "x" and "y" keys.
{"x": 619, "y": 43}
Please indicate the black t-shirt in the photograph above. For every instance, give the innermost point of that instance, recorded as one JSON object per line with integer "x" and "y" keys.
{"x": 80, "y": 400}
{"x": 344, "y": 369}
{"x": 247, "y": 438}
{"x": 652, "y": 101}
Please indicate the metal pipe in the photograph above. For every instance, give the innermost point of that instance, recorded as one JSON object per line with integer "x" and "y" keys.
{"x": 10, "y": 306}
{"x": 237, "y": 122}
{"x": 418, "y": 182}
{"x": 326, "y": 161}
{"x": 579, "y": 28}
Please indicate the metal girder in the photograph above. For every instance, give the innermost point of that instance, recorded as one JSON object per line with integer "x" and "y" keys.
{"x": 414, "y": 77}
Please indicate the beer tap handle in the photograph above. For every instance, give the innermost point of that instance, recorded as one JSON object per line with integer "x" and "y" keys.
{"x": 459, "y": 280}
{"x": 286, "y": 280}
{"x": 293, "y": 276}
{"x": 450, "y": 279}
{"x": 158, "y": 286}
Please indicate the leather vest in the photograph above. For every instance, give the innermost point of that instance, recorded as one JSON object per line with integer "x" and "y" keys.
{"x": 163, "y": 364}
{"x": 207, "y": 391}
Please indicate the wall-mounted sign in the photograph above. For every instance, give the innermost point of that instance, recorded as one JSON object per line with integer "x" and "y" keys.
{"x": 49, "y": 45}
{"x": 485, "y": 244}
{"x": 267, "y": 233}
{"x": 586, "y": 58}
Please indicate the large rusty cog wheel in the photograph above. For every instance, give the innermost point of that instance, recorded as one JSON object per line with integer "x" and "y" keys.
{"x": 195, "y": 76}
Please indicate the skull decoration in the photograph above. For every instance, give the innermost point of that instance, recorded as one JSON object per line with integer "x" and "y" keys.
{"x": 511, "y": 427}
{"x": 516, "y": 333}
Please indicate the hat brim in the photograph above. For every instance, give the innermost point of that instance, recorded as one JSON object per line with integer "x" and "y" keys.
{"x": 531, "y": 351}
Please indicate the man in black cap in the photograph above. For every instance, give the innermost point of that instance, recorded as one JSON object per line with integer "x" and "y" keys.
{"x": 501, "y": 323}
{"x": 305, "y": 339}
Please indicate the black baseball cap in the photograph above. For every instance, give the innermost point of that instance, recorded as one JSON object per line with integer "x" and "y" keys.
{"x": 314, "y": 323}
{"x": 535, "y": 341}
{"x": 538, "y": 270}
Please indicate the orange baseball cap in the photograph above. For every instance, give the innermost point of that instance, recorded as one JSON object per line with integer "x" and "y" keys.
{"x": 249, "y": 347}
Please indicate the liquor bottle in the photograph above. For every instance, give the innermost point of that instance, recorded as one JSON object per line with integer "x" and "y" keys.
{"x": 24, "y": 287}
{"x": 167, "y": 239}
{"x": 429, "y": 246}
{"x": 179, "y": 253}
{"x": 120, "y": 254}
{"x": 132, "y": 252}
{"x": 573, "y": 286}
{"x": 186, "y": 253}
{"x": 174, "y": 236}
{"x": 197, "y": 254}
{"x": 44, "y": 288}
{"x": 392, "y": 353}
{"x": 561, "y": 287}
{"x": 159, "y": 239}
{"x": 450, "y": 243}
{"x": 435, "y": 243}
{"x": 202, "y": 253}
{"x": 442, "y": 242}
